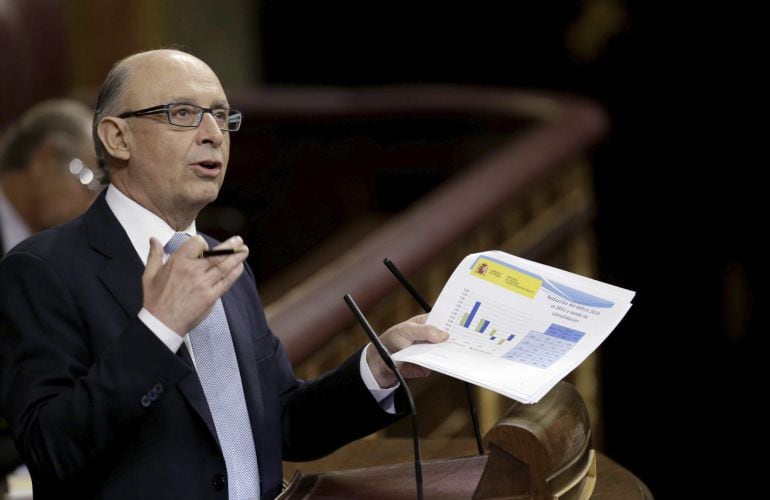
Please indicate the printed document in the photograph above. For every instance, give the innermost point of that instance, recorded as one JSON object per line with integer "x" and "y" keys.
{"x": 517, "y": 327}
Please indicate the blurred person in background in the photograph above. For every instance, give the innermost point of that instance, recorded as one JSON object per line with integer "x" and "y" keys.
{"x": 45, "y": 180}
{"x": 45, "y": 177}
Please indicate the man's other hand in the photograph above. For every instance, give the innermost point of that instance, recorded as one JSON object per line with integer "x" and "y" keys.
{"x": 399, "y": 337}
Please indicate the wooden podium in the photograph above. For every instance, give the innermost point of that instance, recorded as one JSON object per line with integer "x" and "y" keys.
{"x": 540, "y": 451}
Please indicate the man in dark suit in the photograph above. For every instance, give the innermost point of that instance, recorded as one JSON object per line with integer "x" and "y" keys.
{"x": 113, "y": 348}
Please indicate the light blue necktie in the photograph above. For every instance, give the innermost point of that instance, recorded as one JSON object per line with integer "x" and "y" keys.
{"x": 218, "y": 372}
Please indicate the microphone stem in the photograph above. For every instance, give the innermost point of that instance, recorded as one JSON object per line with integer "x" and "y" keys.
{"x": 415, "y": 435}
{"x": 474, "y": 419}
{"x": 385, "y": 355}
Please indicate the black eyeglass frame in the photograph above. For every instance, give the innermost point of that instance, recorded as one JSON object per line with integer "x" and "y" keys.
{"x": 165, "y": 108}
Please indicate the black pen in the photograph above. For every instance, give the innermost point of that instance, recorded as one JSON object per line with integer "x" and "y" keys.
{"x": 221, "y": 251}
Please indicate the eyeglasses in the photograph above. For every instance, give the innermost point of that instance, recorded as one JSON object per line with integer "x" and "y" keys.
{"x": 190, "y": 115}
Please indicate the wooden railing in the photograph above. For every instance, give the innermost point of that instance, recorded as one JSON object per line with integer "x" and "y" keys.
{"x": 529, "y": 194}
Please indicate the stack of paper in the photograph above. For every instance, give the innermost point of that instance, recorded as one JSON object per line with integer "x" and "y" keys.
{"x": 517, "y": 327}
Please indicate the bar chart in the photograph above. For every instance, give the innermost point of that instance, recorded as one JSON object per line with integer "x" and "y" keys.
{"x": 484, "y": 324}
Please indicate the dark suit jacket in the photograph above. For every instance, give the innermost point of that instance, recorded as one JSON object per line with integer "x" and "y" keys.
{"x": 99, "y": 407}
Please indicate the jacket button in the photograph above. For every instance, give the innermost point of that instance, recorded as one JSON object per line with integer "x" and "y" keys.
{"x": 145, "y": 401}
{"x": 218, "y": 482}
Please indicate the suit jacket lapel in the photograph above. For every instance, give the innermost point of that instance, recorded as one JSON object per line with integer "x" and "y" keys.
{"x": 191, "y": 388}
{"x": 121, "y": 275}
{"x": 122, "y": 269}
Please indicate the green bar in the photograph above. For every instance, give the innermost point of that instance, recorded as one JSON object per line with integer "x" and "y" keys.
{"x": 479, "y": 325}
{"x": 492, "y": 333}
{"x": 464, "y": 318}
{"x": 501, "y": 341}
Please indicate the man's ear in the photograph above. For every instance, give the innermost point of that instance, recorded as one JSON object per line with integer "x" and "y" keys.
{"x": 114, "y": 135}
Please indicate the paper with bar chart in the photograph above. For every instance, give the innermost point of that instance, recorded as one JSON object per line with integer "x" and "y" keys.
{"x": 517, "y": 327}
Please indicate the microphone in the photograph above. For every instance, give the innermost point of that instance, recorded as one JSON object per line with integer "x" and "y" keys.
{"x": 427, "y": 308}
{"x": 385, "y": 355}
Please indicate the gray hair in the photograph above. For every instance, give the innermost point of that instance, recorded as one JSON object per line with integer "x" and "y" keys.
{"x": 106, "y": 105}
{"x": 58, "y": 119}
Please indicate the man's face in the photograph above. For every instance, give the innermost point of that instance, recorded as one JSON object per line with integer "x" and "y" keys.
{"x": 173, "y": 171}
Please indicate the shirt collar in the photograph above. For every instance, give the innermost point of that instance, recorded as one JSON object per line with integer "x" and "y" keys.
{"x": 139, "y": 223}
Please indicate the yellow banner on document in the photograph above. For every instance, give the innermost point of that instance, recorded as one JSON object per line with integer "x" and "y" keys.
{"x": 502, "y": 275}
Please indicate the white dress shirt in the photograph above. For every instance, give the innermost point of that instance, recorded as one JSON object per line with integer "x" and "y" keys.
{"x": 13, "y": 229}
{"x": 140, "y": 224}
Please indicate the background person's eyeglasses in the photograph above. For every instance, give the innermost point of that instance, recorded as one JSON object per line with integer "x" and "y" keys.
{"x": 190, "y": 115}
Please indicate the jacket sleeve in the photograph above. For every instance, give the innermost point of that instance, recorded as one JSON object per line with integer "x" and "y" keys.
{"x": 321, "y": 415}
{"x": 66, "y": 407}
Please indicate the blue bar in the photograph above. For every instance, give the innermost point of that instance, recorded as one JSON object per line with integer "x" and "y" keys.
{"x": 510, "y": 337}
{"x": 484, "y": 326}
{"x": 472, "y": 314}
{"x": 491, "y": 338}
